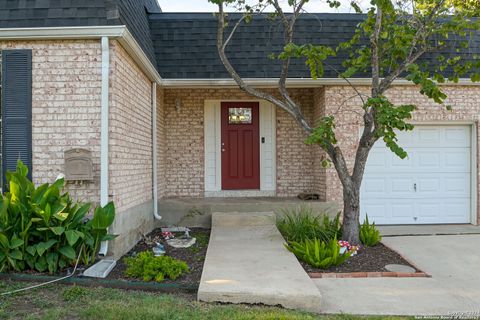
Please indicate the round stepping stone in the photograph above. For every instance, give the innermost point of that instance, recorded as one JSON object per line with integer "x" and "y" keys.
{"x": 399, "y": 268}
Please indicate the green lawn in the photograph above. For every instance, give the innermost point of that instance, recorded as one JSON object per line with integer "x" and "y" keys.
{"x": 74, "y": 302}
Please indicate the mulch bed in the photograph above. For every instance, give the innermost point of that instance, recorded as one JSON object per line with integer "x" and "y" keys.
{"x": 193, "y": 256}
{"x": 368, "y": 259}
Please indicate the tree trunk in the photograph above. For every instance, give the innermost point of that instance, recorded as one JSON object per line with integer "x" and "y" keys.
{"x": 351, "y": 215}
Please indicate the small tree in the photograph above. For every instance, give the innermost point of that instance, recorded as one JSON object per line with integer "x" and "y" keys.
{"x": 389, "y": 43}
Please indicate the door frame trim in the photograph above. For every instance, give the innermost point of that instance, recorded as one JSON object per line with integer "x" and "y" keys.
{"x": 212, "y": 126}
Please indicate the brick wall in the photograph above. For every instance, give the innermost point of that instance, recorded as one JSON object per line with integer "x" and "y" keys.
{"x": 185, "y": 142}
{"x": 295, "y": 172}
{"x": 66, "y": 91}
{"x": 130, "y": 131}
{"x": 464, "y": 100}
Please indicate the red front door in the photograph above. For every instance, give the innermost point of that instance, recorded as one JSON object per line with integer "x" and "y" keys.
{"x": 240, "y": 146}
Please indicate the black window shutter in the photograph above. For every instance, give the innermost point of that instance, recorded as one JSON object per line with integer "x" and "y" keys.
{"x": 16, "y": 109}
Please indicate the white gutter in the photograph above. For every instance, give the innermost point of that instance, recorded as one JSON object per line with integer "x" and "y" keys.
{"x": 104, "y": 136}
{"x": 52, "y": 33}
{"x": 154, "y": 150}
{"x": 291, "y": 82}
{"x": 135, "y": 51}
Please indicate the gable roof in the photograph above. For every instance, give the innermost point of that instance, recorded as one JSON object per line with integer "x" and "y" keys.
{"x": 79, "y": 13}
{"x": 185, "y": 44}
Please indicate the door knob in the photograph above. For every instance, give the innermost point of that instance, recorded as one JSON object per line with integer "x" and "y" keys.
{"x": 223, "y": 150}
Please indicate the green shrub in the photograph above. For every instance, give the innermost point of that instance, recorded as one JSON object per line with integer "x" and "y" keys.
{"x": 317, "y": 253}
{"x": 42, "y": 229}
{"x": 148, "y": 267}
{"x": 369, "y": 234}
{"x": 302, "y": 224}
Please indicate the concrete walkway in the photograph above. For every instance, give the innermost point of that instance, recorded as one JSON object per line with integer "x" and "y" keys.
{"x": 246, "y": 262}
{"x": 453, "y": 261}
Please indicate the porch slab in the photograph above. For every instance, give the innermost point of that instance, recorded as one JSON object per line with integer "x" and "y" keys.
{"x": 428, "y": 230}
{"x": 247, "y": 262}
{"x": 197, "y": 212}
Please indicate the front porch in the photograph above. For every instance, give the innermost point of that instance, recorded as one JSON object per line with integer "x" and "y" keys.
{"x": 197, "y": 212}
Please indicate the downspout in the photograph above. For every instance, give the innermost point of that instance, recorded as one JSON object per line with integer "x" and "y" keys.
{"x": 154, "y": 150}
{"x": 104, "y": 137}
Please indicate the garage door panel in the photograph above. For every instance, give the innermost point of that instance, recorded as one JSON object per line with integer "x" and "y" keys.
{"x": 428, "y": 185}
{"x": 401, "y": 210}
{"x": 423, "y": 137}
{"x": 457, "y": 209}
{"x": 401, "y": 186}
{"x": 377, "y": 212}
{"x": 427, "y": 136}
{"x": 435, "y": 160}
{"x": 428, "y": 159}
{"x": 459, "y": 185}
{"x": 374, "y": 185}
{"x": 398, "y": 185}
{"x": 398, "y": 163}
{"x": 457, "y": 159}
{"x": 433, "y": 185}
{"x": 458, "y": 137}
{"x": 406, "y": 211}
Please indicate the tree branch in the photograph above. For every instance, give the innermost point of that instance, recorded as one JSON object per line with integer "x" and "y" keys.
{"x": 292, "y": 109}
{"x": 420, "y": 37}
{"x": 374, "y": 38}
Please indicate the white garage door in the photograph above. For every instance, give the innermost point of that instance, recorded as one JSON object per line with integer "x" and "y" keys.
{"x": 431, "y": 186}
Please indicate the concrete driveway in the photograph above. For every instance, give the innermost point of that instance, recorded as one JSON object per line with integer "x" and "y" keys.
{"x": 453, "y": 261}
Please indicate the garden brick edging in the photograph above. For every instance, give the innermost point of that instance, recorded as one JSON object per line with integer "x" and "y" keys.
{"x": 320, "y": 275}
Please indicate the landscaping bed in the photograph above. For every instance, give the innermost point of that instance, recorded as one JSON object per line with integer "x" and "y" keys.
{"x": 367, "y": 259}
{"x": 194, "y": 256}
{"x": 314, "y": 238}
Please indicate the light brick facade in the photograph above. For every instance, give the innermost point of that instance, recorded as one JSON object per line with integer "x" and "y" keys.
{"x": 185, "y": 142}
{"x": 337, "y": 101}
{"x": 130, "y": 131}
{"x": 66, "y": 92}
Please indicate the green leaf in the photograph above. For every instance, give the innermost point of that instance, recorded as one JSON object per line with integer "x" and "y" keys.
{"x": 73, "y": 236}
{"x": 57, "y": 230}
{"x": 21, "y": 168}
{"x": 44, "y": 246}
{"x": 103, "y": 217}
{"x": 16, "y": 254}
{"x": 52, "y": 260}
{"x": 68, "y": 252}
{"x": 15, "y": 242}
{"x": 39, "y": 192}
{"x": 81, "y": 212}
{"x": 31, "y": 250}
{"x": 41, "y": 264}
{"x": 4, "y": 241}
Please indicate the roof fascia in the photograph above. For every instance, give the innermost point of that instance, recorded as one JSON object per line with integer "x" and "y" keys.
{"x": 119, "y": 33}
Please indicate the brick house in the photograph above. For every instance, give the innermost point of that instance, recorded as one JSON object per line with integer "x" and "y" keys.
{"x": 146, "y": 94}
